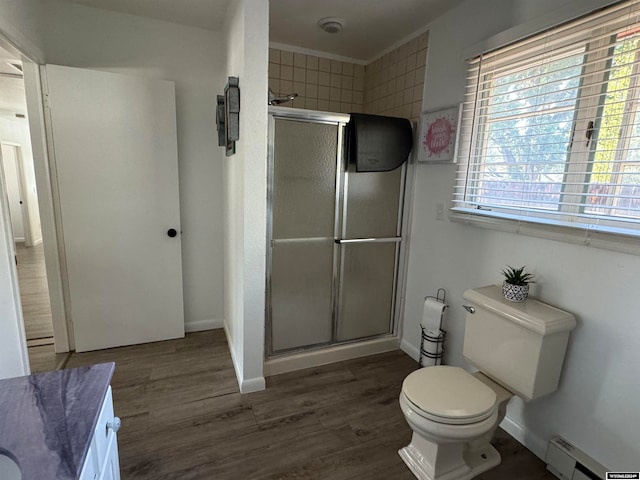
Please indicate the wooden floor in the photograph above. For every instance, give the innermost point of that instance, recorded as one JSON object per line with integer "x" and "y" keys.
{"x": 36, "y": 310}
{"x": 184, "y": 418}
{"x": 34, "y": 292}
{"x": 43, "y": 358}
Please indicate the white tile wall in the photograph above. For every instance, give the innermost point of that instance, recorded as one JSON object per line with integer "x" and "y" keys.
{"x": 392, "y": 85}
{"x": 321, "y": 84}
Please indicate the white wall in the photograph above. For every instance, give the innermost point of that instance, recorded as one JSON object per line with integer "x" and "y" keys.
{"x": 245, "y": 180}
{"x": 596, "y": 405}
{"x": 233, "y": 205}
{"x": 195, "y": 60}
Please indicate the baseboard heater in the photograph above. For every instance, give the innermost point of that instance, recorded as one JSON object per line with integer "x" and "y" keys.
{"x": 570, "y": 463}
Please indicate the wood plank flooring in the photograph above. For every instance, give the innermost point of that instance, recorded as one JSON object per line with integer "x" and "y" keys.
{"x": 43, "y": 358}
{"x": 36, "y": 310}
{"x": 184, "y": 418}
{"x": 34, "y": 291}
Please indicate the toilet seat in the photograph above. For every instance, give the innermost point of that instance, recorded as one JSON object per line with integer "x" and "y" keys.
{"x": 449, "y": 395}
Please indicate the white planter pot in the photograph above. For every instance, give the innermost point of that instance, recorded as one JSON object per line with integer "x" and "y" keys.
{"x": 515, "y": 293}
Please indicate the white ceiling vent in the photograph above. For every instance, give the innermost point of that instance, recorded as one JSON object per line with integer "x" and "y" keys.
{"x": 332, "y": 24}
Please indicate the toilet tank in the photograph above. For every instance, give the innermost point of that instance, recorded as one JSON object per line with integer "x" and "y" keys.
{"x": 519, "y": 345}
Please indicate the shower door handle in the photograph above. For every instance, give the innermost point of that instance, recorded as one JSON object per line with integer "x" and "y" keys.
{"x": 275, "y": 241}
{"x": 342, "y": 241}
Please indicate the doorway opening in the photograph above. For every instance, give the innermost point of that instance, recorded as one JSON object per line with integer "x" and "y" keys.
{"x": 21, "y": 193}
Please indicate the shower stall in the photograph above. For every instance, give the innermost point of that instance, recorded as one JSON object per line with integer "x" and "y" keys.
{"x": 334, "y": 239}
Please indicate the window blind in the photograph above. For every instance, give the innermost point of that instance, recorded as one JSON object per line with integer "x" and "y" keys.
{"x": 550, "y": 128}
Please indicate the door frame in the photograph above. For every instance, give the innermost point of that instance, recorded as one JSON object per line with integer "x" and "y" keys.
{"x": 45, "y": 184}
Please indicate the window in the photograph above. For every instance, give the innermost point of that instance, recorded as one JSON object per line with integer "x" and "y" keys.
{"x": 550, "y": 129}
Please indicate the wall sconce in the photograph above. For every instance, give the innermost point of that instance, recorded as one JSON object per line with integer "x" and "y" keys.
{"x": 228, "y": 116}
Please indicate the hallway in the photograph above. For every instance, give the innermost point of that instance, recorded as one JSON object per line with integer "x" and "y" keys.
{"x": 36, "y": 310}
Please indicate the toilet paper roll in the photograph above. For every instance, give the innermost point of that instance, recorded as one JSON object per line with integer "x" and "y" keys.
{"x": 433, "y": 344}
{"x": 431, "y": 314}
{"x": 432, "y": 348}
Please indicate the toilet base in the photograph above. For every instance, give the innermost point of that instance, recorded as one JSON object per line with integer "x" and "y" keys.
{"x": 475, "y": 462}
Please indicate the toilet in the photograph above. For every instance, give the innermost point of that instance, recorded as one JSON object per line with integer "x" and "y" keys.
{"x": 518, "y": 349}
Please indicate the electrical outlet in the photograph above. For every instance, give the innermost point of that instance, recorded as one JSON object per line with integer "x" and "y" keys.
{"x": 439, "y": 211}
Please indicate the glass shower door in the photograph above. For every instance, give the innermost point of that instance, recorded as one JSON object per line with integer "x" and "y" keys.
{"x": 369, "y": 247}
{"x": 303, "y": 225}
{"x": 334, "y": 238}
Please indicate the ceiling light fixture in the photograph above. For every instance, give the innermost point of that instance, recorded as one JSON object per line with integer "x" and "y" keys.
{"x": 332, "y": 24}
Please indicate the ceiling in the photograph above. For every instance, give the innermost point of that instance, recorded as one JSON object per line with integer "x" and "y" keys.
{"x": 12, "y": 98}
{"x": 209, "y": 14}
{"x": 372, "y": 26}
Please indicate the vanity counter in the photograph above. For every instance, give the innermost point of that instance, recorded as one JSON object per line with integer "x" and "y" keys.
{"x": 47, "y": 420}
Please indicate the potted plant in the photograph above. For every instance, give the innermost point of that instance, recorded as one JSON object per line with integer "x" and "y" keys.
{"x": 515, "y": 287}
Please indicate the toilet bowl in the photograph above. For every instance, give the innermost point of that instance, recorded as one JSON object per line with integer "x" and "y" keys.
{"x": 453, "y": 415}
{"x": 517, "y": 348}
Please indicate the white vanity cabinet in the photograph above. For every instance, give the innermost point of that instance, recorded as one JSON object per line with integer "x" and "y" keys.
{"x": 102, "y": 458}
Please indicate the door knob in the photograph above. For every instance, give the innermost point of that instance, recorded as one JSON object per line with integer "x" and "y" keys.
{"x": 172, "y": 232}
{"x": 114, "y": 425}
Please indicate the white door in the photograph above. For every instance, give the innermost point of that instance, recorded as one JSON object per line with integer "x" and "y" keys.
{"x": 12, "y": 179}
{"x": 115, "y": 144}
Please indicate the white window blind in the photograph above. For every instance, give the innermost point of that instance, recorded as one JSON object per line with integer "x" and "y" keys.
{"x": 550, "y": 129}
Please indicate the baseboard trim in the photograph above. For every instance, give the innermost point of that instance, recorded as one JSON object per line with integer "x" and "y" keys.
{"x": 233, "y": 357}
{"x": 339, "y": 353}
{"x": 410, "y": 350}
{"x": 534, "y": 443}
{"x": 251, "y": 384}
{"x": 201, "y": 325}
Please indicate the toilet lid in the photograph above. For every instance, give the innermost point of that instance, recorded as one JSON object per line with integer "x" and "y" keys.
{"x": 449, "y": 395}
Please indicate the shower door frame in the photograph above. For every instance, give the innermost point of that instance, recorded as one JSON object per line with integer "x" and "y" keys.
{"x": 340, "y": 213}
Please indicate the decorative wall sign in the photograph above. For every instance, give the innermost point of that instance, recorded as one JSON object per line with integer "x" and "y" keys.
{"x": 438, "y": 134}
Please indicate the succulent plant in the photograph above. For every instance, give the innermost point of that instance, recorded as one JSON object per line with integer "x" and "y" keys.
{"x": 517, "y": 276}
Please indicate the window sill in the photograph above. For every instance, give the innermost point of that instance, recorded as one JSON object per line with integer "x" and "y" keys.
{"x": 563, "y": 233}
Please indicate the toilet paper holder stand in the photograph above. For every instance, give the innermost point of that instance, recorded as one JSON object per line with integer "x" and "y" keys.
{"x": 432, "y": 346}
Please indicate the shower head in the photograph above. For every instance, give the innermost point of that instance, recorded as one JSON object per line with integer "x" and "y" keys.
{"x": 277, "y": 100}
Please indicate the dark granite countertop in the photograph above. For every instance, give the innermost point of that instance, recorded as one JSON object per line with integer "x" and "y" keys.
{"x": 47, "y": 419}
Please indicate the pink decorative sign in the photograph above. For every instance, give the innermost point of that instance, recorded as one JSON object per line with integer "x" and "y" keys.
{"x": 438, "y": 133}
